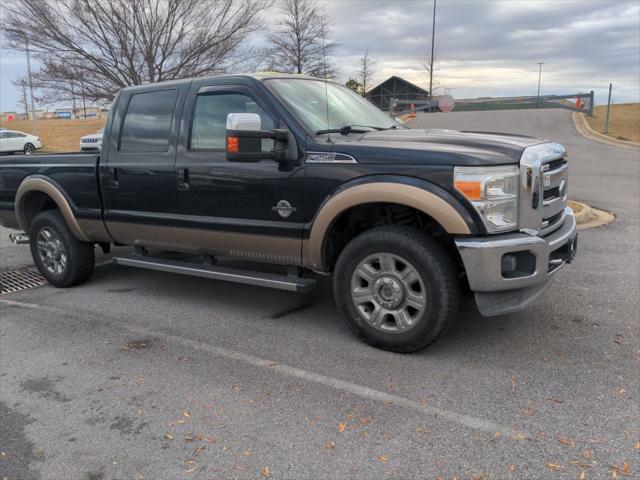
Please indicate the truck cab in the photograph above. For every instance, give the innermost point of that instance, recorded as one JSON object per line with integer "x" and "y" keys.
{"x": 305, "y": 176}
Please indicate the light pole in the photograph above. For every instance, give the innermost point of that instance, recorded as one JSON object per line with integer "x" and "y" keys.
{"x": 539, "y": 77}
{"x": 433, "y": 38}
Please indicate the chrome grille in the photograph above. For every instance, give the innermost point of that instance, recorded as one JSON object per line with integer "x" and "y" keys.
{"x": 554, "y": 198}
{"x": 543, "y": 189}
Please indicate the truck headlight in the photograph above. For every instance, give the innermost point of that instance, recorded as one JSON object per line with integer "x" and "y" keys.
{"x": 493, "y": 191}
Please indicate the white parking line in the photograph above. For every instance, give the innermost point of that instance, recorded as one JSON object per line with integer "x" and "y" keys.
{"x": 287, "y": 370}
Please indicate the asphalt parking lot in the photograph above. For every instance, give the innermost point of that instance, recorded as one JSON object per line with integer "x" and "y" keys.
{"x": 146, "y": 375}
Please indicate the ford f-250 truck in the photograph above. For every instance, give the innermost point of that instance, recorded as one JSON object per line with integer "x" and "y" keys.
{"x": 306, "y": 175}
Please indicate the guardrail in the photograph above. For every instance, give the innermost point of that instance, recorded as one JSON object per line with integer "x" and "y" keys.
{"x": 583, "y": 102}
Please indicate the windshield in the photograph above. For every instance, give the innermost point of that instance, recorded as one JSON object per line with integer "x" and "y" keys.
{"x": 307, "y": 100}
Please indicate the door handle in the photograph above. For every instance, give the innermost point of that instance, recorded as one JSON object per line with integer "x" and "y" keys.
{"x": 183, "y": 179}
{"x": 113, "y": 179}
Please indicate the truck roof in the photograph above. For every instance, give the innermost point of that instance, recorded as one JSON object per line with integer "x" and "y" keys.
{"x": 259, "y": 76}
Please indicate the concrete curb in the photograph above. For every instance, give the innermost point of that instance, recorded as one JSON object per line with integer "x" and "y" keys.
{"x": 589, "y": 217}
{"x": 583, "y": 127}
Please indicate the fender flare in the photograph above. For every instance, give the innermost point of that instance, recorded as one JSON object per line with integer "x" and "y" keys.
{"x": 409, "y": 191}
{"x": 40, "y": 183}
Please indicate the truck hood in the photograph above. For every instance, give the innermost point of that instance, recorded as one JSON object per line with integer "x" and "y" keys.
{"x": 434, "y": 146}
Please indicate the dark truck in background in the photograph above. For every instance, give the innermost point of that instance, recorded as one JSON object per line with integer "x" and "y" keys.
{"x": 303, "y": 175}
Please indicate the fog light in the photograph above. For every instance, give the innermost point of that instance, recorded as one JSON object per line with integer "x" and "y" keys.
{"x": 509, "y": 263}
{"x": 518, "y": 264}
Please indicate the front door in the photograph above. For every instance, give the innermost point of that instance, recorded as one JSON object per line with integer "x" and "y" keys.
{"x": 253, "y": 211}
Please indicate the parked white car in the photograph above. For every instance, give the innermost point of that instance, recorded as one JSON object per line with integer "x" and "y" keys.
{"x": 92, "y": 142}
{"x": 13, "y": 141}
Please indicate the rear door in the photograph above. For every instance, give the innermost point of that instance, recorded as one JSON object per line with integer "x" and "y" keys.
{"x": 4, "y": 141}
{"x": 139, "y": 176}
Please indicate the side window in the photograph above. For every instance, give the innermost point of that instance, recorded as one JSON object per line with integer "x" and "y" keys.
{"x": 3, "y": 135}
{"x": 208, "y": 128}
{"x": 147, "y": 123}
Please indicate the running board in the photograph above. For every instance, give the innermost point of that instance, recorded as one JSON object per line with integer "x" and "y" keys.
{"x": 247, "y": 277}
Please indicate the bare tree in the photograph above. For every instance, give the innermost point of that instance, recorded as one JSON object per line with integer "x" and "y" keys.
{"x": 300, "y": 42}
{"x": 22, "y": 84}
{"x": 110, "y": 44}
{"x": 366, "y": 70}
{"x": 431, "y": 68}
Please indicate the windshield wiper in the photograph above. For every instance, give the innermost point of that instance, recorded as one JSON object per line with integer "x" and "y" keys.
{"x": 346, "y": 130}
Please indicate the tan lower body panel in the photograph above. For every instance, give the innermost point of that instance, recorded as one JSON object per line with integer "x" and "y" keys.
{"x": 94, "y": 230}
{"x": 262, "y": 248}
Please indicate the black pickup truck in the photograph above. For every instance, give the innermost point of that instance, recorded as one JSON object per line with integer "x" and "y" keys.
{"x": 301, "y": 175}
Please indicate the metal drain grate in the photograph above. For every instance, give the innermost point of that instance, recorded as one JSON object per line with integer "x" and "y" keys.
{"x": 22, "y": 279}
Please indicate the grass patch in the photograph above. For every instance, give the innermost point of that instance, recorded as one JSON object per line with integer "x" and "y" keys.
{"x": 624, "y": 121}
{"x": 58, "y": 135}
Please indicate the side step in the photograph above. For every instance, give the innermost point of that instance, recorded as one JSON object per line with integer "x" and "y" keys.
{"x": 248, "y": 277}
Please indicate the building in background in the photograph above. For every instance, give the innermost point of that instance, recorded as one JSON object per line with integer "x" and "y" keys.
{"x": 395, "y": 88}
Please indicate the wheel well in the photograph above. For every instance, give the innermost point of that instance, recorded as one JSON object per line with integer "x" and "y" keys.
{"x": 34, "y": 203}
{"x": 361, "y": 218}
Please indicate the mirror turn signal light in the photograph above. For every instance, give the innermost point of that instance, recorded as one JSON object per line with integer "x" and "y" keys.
{"x": 471, "y": 190}
{"x": 233, "y": 144}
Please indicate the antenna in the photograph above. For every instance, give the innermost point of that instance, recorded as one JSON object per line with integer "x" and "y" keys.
{"x": 326, "y": 88}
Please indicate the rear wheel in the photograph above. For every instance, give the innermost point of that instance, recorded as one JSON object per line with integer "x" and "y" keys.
{"x": 60, "y": 257}
{"x": 396, "y": 288}
{"x": 29, "y": 148}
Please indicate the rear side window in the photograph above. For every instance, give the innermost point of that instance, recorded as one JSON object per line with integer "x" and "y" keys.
{"x": 147, "y": 123}
{"x": 209, "y": 127}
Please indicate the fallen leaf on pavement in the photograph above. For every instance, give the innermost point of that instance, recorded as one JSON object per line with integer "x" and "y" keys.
{"x": 168, "y": 436}
{"x": 638, "y": 446}
{"x": 554, "y": 466}
{"x": 204, "y": 438}
{"x": 383, "y": 458}
{"x": 265, "y": 472}
{"x": 566, "y": 441}
{"x": 583, "y": 475}
{"x": 512, "y": 467}
{"x": 329, "y": 445}
{"x": 248, "y": 453}
{"x": 342, "y": 427}
{"x": 186, "y": 413}
{"x": 586, "y": 454}
{"x": 554, "y": 399}
{"x": 199, "y": 450}
{"x": 496, "y": 436}
{"x": 582, "y": 464}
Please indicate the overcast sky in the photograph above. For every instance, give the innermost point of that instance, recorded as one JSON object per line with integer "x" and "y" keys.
{"x": 483, "y": 48}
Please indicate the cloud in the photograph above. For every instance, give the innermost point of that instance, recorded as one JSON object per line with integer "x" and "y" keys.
{"x": 493, "y": 47}
{"x": 483, "y": 48}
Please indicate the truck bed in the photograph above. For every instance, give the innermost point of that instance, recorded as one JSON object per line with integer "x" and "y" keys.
{"x": 75, "y": 173}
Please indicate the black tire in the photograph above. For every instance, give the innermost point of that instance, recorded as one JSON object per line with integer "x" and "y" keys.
{"x": 428, "y": 259}
{"x": 28, "y": 149}
{"x": 79, "y": 257}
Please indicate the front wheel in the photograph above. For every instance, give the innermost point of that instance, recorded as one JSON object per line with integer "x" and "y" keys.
{"x": 396, "y": 288}
{"x": 29, "y": 149}
{"x": 60, "y": 257}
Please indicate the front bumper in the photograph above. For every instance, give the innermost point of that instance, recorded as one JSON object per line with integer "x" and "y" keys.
{"x": 497, "y": 293}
